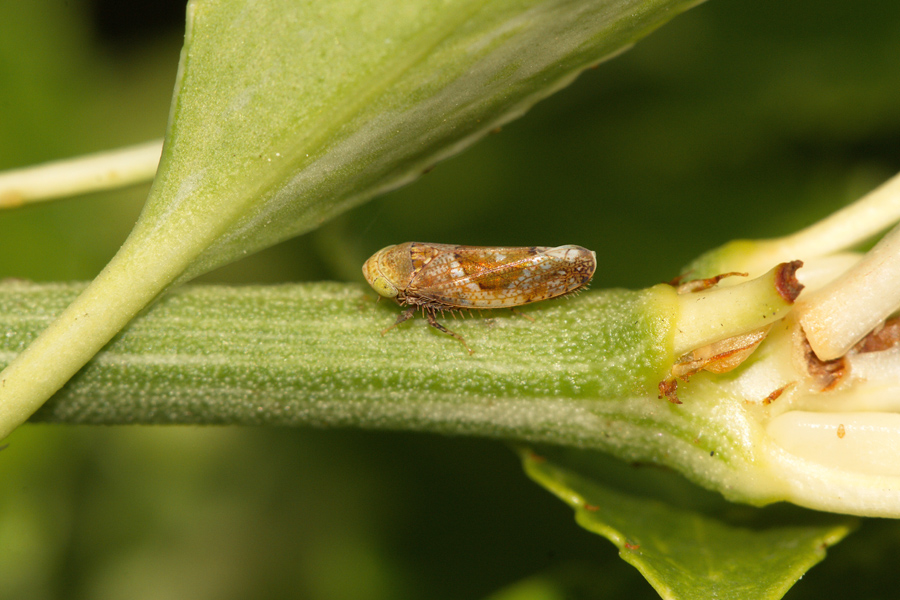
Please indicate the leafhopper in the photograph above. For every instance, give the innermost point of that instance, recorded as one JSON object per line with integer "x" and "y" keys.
{"x": 445, "y": 277}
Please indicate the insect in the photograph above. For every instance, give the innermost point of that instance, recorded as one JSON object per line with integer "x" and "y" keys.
{"x": 446, "y": 277}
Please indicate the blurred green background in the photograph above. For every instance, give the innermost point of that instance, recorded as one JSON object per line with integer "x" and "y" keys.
{"x": 738, "y": 119}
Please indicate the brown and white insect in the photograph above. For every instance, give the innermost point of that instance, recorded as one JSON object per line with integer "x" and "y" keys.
{"x": 441, "y": 277}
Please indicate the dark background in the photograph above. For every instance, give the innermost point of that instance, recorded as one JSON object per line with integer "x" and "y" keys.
{"x": 738, "y": 119}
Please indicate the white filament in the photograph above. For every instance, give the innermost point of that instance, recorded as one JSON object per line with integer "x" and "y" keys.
{"x": 90, "y": 173}
{"x": 844, "y": 311}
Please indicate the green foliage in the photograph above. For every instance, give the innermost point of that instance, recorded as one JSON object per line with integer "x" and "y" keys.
{"x": 728, "y": 123}
{"x": 286, "y": 114}
{"x": 696, "y": 549}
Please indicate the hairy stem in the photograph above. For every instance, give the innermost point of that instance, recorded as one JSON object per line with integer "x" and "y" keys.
{"x": 312, "y": 354}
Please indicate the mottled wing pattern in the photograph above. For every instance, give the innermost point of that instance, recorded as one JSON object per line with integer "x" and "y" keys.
{"x": 421, "y": 255}
{"x": 498, "y": 277}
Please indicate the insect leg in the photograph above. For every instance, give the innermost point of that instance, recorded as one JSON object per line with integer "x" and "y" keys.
{"x": 433, "y": 322}
{"x": 404, "y": 316}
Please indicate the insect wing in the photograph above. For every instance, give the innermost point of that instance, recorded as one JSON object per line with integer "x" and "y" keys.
{"x": 484, "y": 277}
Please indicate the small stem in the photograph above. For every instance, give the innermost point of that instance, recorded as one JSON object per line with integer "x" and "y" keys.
{"x": 853, "y": 224}
{"x": 873, "y": 213}
{"x": 723, "y": 312}
{"x": 90, "y": 173}
{"x": 842, "y": 313}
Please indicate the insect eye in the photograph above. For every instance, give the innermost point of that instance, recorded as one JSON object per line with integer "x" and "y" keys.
{"x": 384, "y": 287}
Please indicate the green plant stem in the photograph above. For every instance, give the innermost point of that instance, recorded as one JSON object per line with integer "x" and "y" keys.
{"x": 584, "y": 373}
{"x": 312, "y": 355}
{"x": 138, "y": 274}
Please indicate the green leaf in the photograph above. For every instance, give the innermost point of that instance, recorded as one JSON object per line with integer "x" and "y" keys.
{"x": 687, "y": 543}
{"x": 286, "y": 113}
